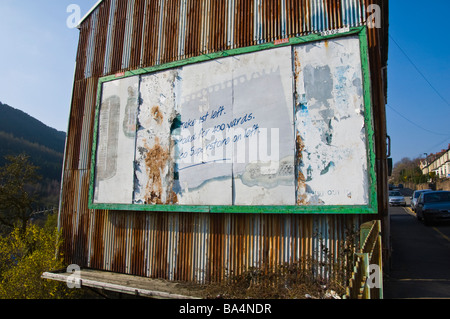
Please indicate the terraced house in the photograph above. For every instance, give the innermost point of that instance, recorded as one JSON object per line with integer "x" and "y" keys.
{"x": 439, "y": 164}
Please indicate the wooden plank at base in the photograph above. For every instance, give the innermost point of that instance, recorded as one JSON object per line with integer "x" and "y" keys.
{"x": 123, "y": 283}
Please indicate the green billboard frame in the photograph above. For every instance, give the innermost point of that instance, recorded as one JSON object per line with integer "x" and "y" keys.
{"x": 371, "y": 208}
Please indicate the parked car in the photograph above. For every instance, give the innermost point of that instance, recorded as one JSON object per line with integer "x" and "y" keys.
{"x": 415, "y": 197}
{"x": 433, "y": 206}
{"x": 396, "y": 199}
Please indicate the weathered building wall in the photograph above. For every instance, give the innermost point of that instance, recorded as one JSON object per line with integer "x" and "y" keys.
{"x": 443, "y": 185}
{"x": 124, "y": 35}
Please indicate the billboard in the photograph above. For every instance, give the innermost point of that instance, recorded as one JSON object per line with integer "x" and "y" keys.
{"x": 275, "y": 128}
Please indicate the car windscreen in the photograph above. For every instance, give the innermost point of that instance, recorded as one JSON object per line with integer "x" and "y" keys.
{"x": 437, "y": 197}
{"x": 395, "y": 194}
{"x": 417, "y": 193}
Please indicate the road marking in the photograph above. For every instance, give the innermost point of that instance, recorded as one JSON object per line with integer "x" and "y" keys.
{"x": 410, "y": 212}
{"x": 440, "y": 233}
{"x": 420, "y": 280}
{"x": 427, "y": 298}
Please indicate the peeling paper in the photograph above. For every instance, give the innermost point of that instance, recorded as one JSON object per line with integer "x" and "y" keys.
{"x": 116, "y": 142}
{"x": 267, "y": 176}
{"x": 331, "y": 139}
{"x": 283, "y": 126}
{"x": 154, "y": 148}
{"x": 204, "y": 157}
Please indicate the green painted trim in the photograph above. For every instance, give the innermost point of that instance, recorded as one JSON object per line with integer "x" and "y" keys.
{"x": 372, "y": 208}
{"x": 368, "y": 119}
{"x": 343, "y": 210}
{"x": 94, "y": 145}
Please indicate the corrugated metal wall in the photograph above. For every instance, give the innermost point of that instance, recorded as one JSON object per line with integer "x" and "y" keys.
{"x": 121, "y": 35}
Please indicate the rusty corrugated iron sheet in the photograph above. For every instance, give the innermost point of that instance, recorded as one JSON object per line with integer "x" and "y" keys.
{"x": 140, "y": 33}
{"x": 199, "y": 247}
{"x": 120, "y": 35}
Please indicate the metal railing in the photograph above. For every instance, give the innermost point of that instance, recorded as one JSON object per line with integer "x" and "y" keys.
{"x": 367, "y": 279}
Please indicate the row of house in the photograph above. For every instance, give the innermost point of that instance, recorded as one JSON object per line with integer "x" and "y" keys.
{"x": 438, "y": 163}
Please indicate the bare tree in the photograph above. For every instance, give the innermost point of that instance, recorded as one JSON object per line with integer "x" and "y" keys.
{"x": 407, "y": 170}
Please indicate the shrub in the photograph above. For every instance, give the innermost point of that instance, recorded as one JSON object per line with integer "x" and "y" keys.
{"x": 24, "y": 257}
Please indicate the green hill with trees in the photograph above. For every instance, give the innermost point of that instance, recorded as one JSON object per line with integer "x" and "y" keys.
{"x": 21, "y": 133}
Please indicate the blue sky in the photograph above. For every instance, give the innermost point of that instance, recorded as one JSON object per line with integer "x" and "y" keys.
{"x": 38, "y": 49}
{"x": 37, "y": 57}
{"x": 418, "y": 109}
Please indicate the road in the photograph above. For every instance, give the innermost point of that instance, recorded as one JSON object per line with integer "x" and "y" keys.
{"x": 420, "y": 260}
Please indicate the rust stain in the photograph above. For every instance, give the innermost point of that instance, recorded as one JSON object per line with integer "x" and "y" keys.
{"x": 300, "y": 147}
{"x": 174, "y": 199}
{"x": 157, "y": 115}
{"x": 298, "y": 66}
{"x": 301, "y": 198}
{"x": 155, "y": 162}
{"x": 301, "y": 180}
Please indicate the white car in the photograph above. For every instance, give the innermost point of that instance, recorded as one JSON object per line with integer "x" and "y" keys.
{"x": 415, "y": 197}
{"x": 396, "y": 199}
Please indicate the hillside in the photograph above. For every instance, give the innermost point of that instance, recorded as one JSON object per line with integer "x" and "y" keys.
{"x": 22, "y": 133}
{"x": 22, "y": 125}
